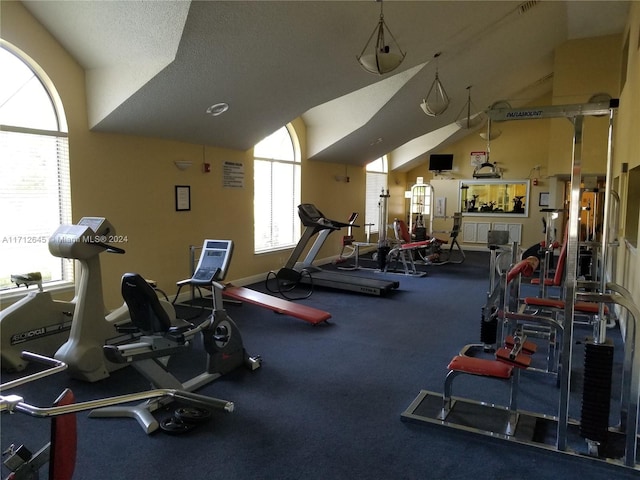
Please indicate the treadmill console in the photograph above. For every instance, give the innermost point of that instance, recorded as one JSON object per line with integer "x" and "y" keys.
{"x": 214, "y": 262}
{"x": 309, "y": 212}
{"x": 312, "y": 217}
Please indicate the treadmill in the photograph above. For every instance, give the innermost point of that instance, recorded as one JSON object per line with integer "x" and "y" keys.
{"x": 305, "y": 272}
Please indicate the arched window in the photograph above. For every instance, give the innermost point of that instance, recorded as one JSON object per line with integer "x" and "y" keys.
{"x": 376, "y": 183}
{"x": 34, "y": 170}
{"x": 276, "y": 191}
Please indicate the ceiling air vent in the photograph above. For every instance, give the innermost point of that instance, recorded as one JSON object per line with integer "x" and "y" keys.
{"x": 526, "y": 6}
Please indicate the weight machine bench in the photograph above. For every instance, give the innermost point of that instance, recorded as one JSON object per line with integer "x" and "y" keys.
{"x": 403, "y": 249}
{"x": 506, "y": 366}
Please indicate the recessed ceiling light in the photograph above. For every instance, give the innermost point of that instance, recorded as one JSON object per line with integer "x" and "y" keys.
{"x": 218, "y": 109}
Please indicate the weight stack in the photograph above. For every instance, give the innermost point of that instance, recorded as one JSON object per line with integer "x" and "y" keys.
{"x": 383, "y": 251}
{"x": 596, "y": 392}
{"x": 489, "y": 328}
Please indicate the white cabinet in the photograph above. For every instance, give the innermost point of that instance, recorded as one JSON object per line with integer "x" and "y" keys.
{"x": 514, "y": 229}
{"x": 475, "y": 232}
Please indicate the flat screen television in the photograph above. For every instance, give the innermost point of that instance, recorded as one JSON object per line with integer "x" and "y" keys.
{"x": 441, "y": 162}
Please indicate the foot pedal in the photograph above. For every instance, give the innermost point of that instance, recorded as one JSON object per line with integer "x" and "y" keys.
{"x": 528, "y": 348}
{"x": 520, "y": 360}
{"x": 16, "y": 457}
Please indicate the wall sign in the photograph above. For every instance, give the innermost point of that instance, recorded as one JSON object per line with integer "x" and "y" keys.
{"x": 233, "y": 175}
{"x": 478, "y": 158}
{"x": 183, "y": 198}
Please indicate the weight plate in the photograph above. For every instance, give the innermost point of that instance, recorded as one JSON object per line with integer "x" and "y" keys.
{"x": 192, "y": 414}
{"x": 174, "y": 426}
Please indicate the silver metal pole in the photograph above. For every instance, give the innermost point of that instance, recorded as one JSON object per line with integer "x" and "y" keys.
{"x": 601, "y": 334}
{"x": 54, "y": 365}
{"x": 16, "y": 403}
{"x": 570, "y": 283}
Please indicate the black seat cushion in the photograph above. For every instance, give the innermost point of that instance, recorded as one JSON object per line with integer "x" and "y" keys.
{"x": 146, "y": 312}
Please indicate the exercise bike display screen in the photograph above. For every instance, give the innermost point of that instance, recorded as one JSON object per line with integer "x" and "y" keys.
{"x": 214, "y": 261}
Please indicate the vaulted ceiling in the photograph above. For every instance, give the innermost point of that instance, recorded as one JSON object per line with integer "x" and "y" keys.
{"x": 153, "y": 68}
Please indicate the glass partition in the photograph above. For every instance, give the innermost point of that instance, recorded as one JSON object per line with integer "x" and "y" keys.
{"x": 494, "y": 197}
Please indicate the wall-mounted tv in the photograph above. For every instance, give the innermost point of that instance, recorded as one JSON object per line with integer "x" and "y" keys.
{"x": 441, "y": 162}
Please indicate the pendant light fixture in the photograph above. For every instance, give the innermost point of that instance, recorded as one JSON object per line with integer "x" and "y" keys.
{"x": 469, "y": 120}
{"x": 493, "y": 133}
{"x": 437, "y": 100}
{"x": 381, "y": 57}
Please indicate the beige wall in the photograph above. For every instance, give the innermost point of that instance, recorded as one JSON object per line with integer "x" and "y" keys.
{"x": 627, "y": 150}
{"x": 131, "y": 180}
{"x": 583, "y": 68}
{"x": 593, "y": 65}
{"x": 516, "y": 151}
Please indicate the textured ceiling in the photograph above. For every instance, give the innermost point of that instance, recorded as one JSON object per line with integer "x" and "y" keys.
{"x": 153, "y": 68}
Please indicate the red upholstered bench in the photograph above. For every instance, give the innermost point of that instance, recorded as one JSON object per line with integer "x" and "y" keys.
{"x": 502, "y": 368}
{"x": 554, "y": 303}
{"x": 420, "y": 244}
{"x": 276, "y": 304}
{"x": 480, "y": 366}
{"x": 461, "y": 364}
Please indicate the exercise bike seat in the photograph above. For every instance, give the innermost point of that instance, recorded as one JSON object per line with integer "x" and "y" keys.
{"x": 148, "y": 318}
{"x": 147, "y": 314}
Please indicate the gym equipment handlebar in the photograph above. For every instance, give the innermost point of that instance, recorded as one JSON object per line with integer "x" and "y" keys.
{"x": 15, "y": 403}
{"x": 55, "y": 367}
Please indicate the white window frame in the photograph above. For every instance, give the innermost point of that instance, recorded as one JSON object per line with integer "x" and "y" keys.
{"x": 44, "y": 160}
{"x": 282, "y": 229}
{"x": 376, "y": 181}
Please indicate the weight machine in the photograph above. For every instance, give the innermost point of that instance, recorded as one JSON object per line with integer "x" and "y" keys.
{"x": 420, "y": 210}
{"x": 591, "y": 436}
{"x": 421, "y": 215}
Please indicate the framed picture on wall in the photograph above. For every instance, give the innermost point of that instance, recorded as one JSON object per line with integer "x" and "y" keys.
{"x": 183, "y": 198}
{"x": 441, "y": 206}
{"x": 543, "y": 201}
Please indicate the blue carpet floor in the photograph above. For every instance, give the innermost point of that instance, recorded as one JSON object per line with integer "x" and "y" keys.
{"x": 326, "y": 403}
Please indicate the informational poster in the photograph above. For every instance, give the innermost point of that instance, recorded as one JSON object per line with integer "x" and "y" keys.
{"x": 233, "y": 175}
{"x": 478, "y": 158}
{"x": 183, "y": 198}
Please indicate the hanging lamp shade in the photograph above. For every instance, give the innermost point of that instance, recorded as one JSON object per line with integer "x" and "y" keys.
{"x": 492, "y": 133}
{"x": 466, "y": 119}
{"x": 381, "y": 57}
{"x": 437, "y": 100}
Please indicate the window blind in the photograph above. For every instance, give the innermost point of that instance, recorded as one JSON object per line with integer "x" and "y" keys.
{"x": 35, "y": 195}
